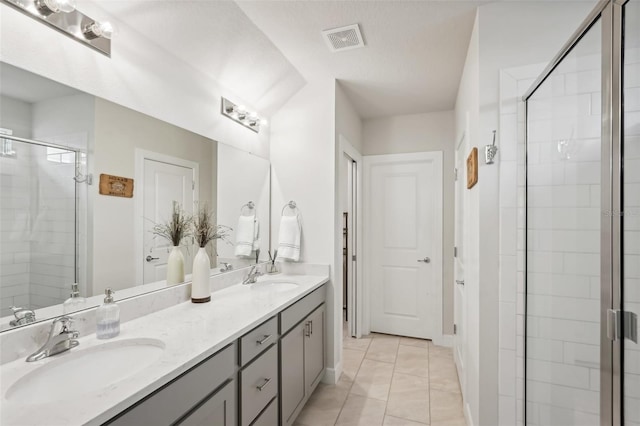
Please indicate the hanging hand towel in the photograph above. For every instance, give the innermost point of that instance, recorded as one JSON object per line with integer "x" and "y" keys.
{"x": 245, "y": 234}
{"x": 256, "y": 235}
{"x": 289, "y": 238}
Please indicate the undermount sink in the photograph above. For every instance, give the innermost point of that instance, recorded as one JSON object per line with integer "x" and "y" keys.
{"x": 274, "y": 285}
{"x": 80, "y": 371}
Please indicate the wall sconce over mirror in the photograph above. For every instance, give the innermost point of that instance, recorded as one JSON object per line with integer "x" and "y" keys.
{"x": 63, "y": 16}
{"x": 240, "y": 114}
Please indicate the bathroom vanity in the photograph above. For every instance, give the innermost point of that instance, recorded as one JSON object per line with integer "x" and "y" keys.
{"x": 252, "y": 356}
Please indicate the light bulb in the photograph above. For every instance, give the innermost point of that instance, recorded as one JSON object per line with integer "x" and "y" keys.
{"x": 98, "y": 29}
{"x": 264, "y": 122}
{"x": 48, "y": 7}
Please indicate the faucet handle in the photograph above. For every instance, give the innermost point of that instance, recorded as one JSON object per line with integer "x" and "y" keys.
{"x": 66, "y": 322}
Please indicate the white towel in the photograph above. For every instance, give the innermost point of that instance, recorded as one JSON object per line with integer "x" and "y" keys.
{"x": 256, "y": 235}
{"x": 289, "y": 238}
{"x": 245, "y": 235}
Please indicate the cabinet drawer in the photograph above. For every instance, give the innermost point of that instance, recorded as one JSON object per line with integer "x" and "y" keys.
{"x": 269, "y": 417}
{"x": 171, "y": 402}
{"x": 219, "y": 409}
{"x": 296, "y": 312}
{"x": 259, "y": 384}
{"x": 258, "y": 339}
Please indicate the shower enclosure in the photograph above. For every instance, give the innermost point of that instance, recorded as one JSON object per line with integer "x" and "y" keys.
{"x": 582, "y": 360}
{"x": 38, "y": 222}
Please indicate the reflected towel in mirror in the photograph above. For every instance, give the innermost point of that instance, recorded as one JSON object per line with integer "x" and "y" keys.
{"x": 245, "y": 235}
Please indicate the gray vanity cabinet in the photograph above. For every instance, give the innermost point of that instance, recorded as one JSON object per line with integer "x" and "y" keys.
{"x": 218, "y": 410}
{"x": 302, "y": 357}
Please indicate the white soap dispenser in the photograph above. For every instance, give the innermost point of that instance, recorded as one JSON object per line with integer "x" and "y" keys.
{"x": 75, "y": 302}
{"x": 108, "y": 317}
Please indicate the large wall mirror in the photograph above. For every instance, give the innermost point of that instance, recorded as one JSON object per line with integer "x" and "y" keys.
{"x": 57, "y": 229}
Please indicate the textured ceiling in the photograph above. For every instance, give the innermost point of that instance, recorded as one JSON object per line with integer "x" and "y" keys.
{"x": 412, "y": 61}
{"x": 218, "y": 39}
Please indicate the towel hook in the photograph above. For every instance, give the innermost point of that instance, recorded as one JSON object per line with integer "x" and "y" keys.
{"x": 292, "y": 205}
{"x": 250, "y": 205}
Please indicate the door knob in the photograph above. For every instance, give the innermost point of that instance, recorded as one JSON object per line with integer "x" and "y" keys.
{"x": 149, "y": 258}
{"x": 425, "y": 260}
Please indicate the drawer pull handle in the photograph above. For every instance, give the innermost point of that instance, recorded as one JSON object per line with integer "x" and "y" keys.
{"x": 264, "y": 339}
{"x": 311, "y": 326}
{"x": 262, "y": 386}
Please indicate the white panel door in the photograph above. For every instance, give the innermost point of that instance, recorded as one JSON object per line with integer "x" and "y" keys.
{"x": 164, "y": 183}
{"x": 459, "y": 300}
{"x": 404, "y": 265}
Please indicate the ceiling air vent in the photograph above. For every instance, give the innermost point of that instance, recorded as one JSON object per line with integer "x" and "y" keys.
{"x": 343, "y": 38}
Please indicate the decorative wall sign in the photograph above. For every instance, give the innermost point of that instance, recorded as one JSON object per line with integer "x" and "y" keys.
{"x": 116, "y": 186}
{"x": 472, "y": 168}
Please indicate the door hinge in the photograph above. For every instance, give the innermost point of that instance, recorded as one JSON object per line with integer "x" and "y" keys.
{"x": 455, "y": 329}
{"x": 353, "y": 258}
{"x": 193, "y": 184}
{"x": 455, "y": 173}
{"x": 622, "y": 325}
{"x": 455, "y": 252}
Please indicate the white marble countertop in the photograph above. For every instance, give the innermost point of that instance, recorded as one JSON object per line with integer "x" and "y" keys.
{"x": 190, "y": 332}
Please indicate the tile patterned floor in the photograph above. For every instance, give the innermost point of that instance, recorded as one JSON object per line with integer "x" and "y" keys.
{"x": 389, "y": 381}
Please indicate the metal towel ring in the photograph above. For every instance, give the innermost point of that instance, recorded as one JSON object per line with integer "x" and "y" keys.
{"x": 292, "y": 205}
{"x": 250, "y": 205}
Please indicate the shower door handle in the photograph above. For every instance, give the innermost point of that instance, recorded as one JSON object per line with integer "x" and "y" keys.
{"x": 460, "y": 282}
{"x": 425, "y": 260}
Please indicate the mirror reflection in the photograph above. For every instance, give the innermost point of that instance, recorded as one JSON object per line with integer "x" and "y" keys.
{"x": 84, "y": 181}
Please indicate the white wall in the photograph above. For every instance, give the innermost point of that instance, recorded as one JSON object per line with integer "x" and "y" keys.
{"x": 420, "y": 133}
{"x": 15, "y": 115}
{"x": 303, "y": 170}
{"x": 139, "y": 75}
{"x": 467, "y": 115}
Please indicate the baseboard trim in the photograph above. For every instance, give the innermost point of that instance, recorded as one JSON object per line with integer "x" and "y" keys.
{"x": 467, "y": 415}
{"x": 332, "y": 375}
{"x": 445, "y": 340}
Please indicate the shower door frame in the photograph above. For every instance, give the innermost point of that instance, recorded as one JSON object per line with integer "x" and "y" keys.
{"x": 609, "y": 12}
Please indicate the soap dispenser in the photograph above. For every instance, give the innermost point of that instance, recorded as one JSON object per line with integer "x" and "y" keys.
{"x": 108, "y": 317}
{"x": 75, "y": 302}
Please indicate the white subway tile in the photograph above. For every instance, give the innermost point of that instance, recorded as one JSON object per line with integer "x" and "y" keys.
{"x": 545, "y": 349}
{"x": 586, "y": 401}
{"x": 507, "y": 335}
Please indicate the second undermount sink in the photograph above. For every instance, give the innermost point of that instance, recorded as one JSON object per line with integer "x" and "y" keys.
{"x": 80, "y": 371}
{"x": 274, "y": 284}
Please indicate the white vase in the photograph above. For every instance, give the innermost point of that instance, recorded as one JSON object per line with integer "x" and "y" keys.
{"x": 175, "y": 266}
{"x": 200, "y": 292}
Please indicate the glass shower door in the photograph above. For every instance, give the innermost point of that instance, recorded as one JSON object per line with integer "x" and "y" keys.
{"x": 563, "y": 240}
{"x": 631, "y": 204}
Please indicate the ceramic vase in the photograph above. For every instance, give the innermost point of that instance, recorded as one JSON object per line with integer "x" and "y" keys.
{"x": 175, "y": 266}
{"x": 200, "y": 292}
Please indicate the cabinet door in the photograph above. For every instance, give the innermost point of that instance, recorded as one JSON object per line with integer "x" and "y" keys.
{"x": 292, "y": 371}
{"x": 219, "y": 410}
{"x": 314, "y": 348}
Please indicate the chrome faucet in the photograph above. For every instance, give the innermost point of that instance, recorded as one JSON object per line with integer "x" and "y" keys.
{"x": 252, "y": 276}
{"x": 226, "y": 267}
{"x": 56, "y": 343}
{"x": 22, "y": 316}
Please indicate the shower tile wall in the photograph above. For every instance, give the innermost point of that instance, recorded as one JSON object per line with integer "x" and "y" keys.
{"x": 563, "y": 277}
{"x": 632, "y": 214}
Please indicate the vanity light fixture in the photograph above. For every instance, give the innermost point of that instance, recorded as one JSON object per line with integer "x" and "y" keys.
{"x": 63, "y": 17}
{"x": 239, "y": 114}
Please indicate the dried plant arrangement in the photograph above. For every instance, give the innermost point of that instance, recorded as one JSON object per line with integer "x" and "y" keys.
{"x": 205, "y": 230}
{"x": 177, "y": 229}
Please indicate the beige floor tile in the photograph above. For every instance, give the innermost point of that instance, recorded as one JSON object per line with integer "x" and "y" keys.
{"x": 383, "y": 349}
{"x": 443, "y": 374}
{"x": 363, "y": 411}
{"x": 409, "y": 398}
{"x": 324, "y": 405}
{"x": 373, "y": 380}
{"x": 440, "y": 352}
{"x": 445, "y": 406}
{"x": 395, "y": 421}
{"x": 413, "y": 360}
{"x": 410, "y": 341}
{"x": 382, "y": 336}
{"x": 351, "y": 361}
{"x": 458, "y": 421}
{"x": 356, "y": 344}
